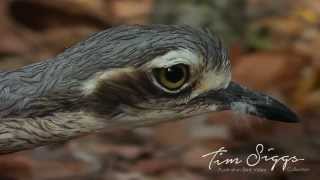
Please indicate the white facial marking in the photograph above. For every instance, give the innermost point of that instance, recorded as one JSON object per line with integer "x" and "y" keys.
{"x": 90, "y": 85}
{"x": 213, "y": 108}
{"x": 212, "y": 80}
{"x": 174, "y": 57}
{"x": 243, "y": 108}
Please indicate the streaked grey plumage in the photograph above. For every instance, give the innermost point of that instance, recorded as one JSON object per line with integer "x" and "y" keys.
{"x": 112, "y": 80}
{"x": 26, "y": 92}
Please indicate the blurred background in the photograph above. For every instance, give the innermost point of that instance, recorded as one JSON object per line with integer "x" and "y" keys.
{"x": 274, "y": 47}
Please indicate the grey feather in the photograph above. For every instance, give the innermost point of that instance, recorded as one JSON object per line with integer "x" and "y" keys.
{"x": 53, "y": 85}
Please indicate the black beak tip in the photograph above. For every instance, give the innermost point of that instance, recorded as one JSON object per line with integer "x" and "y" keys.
{"x": 291, "y": 117}
{"x": 238, "y": 98}
{"x": 282, "y": 114}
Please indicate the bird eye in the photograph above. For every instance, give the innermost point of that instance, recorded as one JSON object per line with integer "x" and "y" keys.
{"x": 172, "y": 78}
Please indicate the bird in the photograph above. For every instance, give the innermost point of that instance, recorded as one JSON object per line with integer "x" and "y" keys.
{"x": 124, "y": 77}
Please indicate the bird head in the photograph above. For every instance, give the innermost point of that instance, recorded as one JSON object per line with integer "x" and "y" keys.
{"x": 150, "y": 74}
{"x": 124, "y": 76}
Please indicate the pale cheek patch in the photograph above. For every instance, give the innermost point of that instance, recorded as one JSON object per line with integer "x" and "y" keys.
{"x": 90, "y": 85}
{"x": 213, "y": 108}
{"x": 212, "y": 81}
{"x": 243, "y": 108}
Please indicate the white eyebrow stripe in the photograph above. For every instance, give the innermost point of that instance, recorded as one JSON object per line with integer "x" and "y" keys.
{"x": 91, "y": 84}
{"x": 173, "y": 57}
{"x": 210, "y": 80}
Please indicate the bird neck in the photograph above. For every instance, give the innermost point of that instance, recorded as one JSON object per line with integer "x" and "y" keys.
{"x": 19, "y": 134}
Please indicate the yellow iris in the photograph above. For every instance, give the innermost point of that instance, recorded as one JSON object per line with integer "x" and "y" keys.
{"x": 173, "y": 77}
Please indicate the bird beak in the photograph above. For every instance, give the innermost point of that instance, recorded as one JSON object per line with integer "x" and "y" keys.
{"x": 238, "y": 98}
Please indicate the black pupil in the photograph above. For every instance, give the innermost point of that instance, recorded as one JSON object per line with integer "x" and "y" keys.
{"x": 174, "y": 74}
